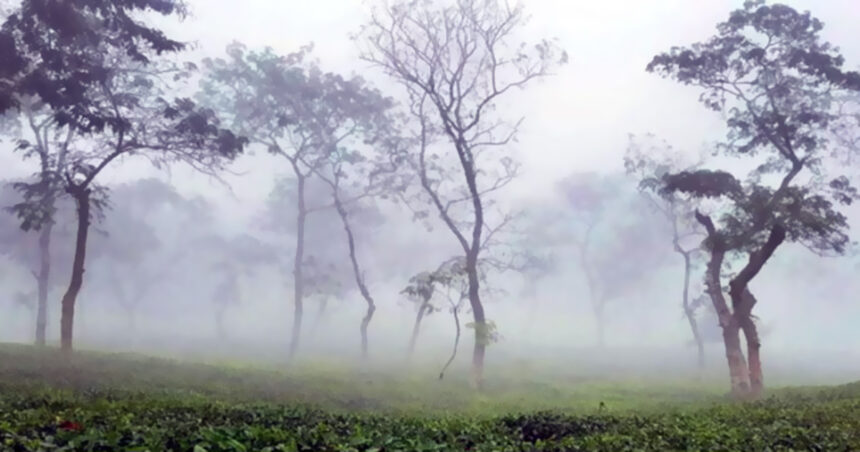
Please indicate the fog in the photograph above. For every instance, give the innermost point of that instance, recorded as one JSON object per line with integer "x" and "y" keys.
{"x": 200, "y": 266}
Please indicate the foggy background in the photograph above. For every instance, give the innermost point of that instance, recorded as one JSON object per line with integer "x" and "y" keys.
{"x": 577, "y": 121}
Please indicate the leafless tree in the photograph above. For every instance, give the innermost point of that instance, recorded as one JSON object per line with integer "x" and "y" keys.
{"x": 456, "y": 60}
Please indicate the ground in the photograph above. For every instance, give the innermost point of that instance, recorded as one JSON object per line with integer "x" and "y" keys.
{"x": 106, "y": 402}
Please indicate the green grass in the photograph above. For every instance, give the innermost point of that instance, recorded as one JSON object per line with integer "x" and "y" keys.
{"x": 94, "y": 401}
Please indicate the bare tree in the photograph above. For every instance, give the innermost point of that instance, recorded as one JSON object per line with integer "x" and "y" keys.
{"x": 456, "y": 61}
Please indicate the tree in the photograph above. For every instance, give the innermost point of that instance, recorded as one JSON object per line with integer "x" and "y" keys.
{"x": 616, "y": 250}
{"x": 351, "y": 116}
{"x": 451, "y": 280}
{"x": 456, "y": 61}
{"x": 295, "y": 111}
{"x": 768, "y": 71}
{"x": 106, "y": 87}
{"x": 648, "y": 164}
{"x": 41, "y": 192}
{"x": 420, "y": 290}
{"x": 846, "y": 127}
{"x": 144, "y": 241}
{"x": 230, "y": 258}
{"x": 33, "y": 249}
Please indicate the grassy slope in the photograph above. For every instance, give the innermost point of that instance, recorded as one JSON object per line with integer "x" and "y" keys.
{"x": 128, "y": 401}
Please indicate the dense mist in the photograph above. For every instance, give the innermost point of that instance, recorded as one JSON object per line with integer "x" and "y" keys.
{"x": 298, "y": 179}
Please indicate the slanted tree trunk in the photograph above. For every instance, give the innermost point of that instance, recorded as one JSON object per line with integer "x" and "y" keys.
{"x": 356, "y": 270}
{"x": 456, "y": 311}
{"x": 738, "y": 372}
{"x": 82, "y": 198}
{"x": 298, "y": 262}
{"x": 422, "y": 310}
{"x": 42, "y": 280}
{"x": 744, "y": 302}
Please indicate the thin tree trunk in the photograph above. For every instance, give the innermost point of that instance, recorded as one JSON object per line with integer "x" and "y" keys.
{"x": 43, "y": 279}
{"x": 691, "y": 314}
{"x": 456, "y": 312}
{"x": 132, "y": 319}
{"x": 481, "y": 332}
{"x": 82, "y": 197}
{"x": 359, "y": 277}
{"x": 421, "y": 311}
{"x": 220, "y": 330}
{"x": 298, "y": 274}
{"x": 600, "y": 316}
{"x": 596, "y": 304}
{"x": 320, "y": 314}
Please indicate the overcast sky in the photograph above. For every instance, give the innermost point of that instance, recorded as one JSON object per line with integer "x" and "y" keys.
{"x": 576, "y": 120}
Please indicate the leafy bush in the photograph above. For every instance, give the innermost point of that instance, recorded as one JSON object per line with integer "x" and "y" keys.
{"x": 53, "y": 409}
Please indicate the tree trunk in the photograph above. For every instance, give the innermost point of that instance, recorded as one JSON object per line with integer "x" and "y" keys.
{"x": 359, "y": 277}
{"x": 82, "y": 198}
{"x": 421, "y": 311}
{"x": 456, "y": 312}
{"x": 697, "y": 336}
{"x": 320, "y": 314}
{"x": 132, "y": 319}
{"x": 691, "y": 314}
{"x": 43, "y": 280}
{"x": 591, "y": 284}
{"x": 220, "y": 330}
{"x": 738, "y": 372}
{"x": 743, "y": 303}
{"x": 753, "y": 346}
{"x": 600, "y": 317}
{"x": 298, "y": 274}
{"x": 481, "y": 333}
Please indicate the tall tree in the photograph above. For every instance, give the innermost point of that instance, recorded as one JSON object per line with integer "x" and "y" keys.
{"x": 773, "y": 77}
{"x": 352, "y": 124}
{"x": 456, "y": 60}
{"x": 310, "y": 118}
{"x": 231, "y": 258}
{"x": 41, "y": 192}
{"x": 100, "y": 73}
{"x": 648, "y": 162}
{"x": 33, "y": 249}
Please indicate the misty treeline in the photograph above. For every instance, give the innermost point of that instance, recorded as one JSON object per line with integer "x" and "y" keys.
{"x": 88, "y": 85}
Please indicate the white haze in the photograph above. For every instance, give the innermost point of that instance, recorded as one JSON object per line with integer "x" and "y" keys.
{"x": 576, "y": 121}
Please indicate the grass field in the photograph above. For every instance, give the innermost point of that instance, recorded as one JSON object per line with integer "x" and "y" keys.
{"x": 106, "y": 402}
